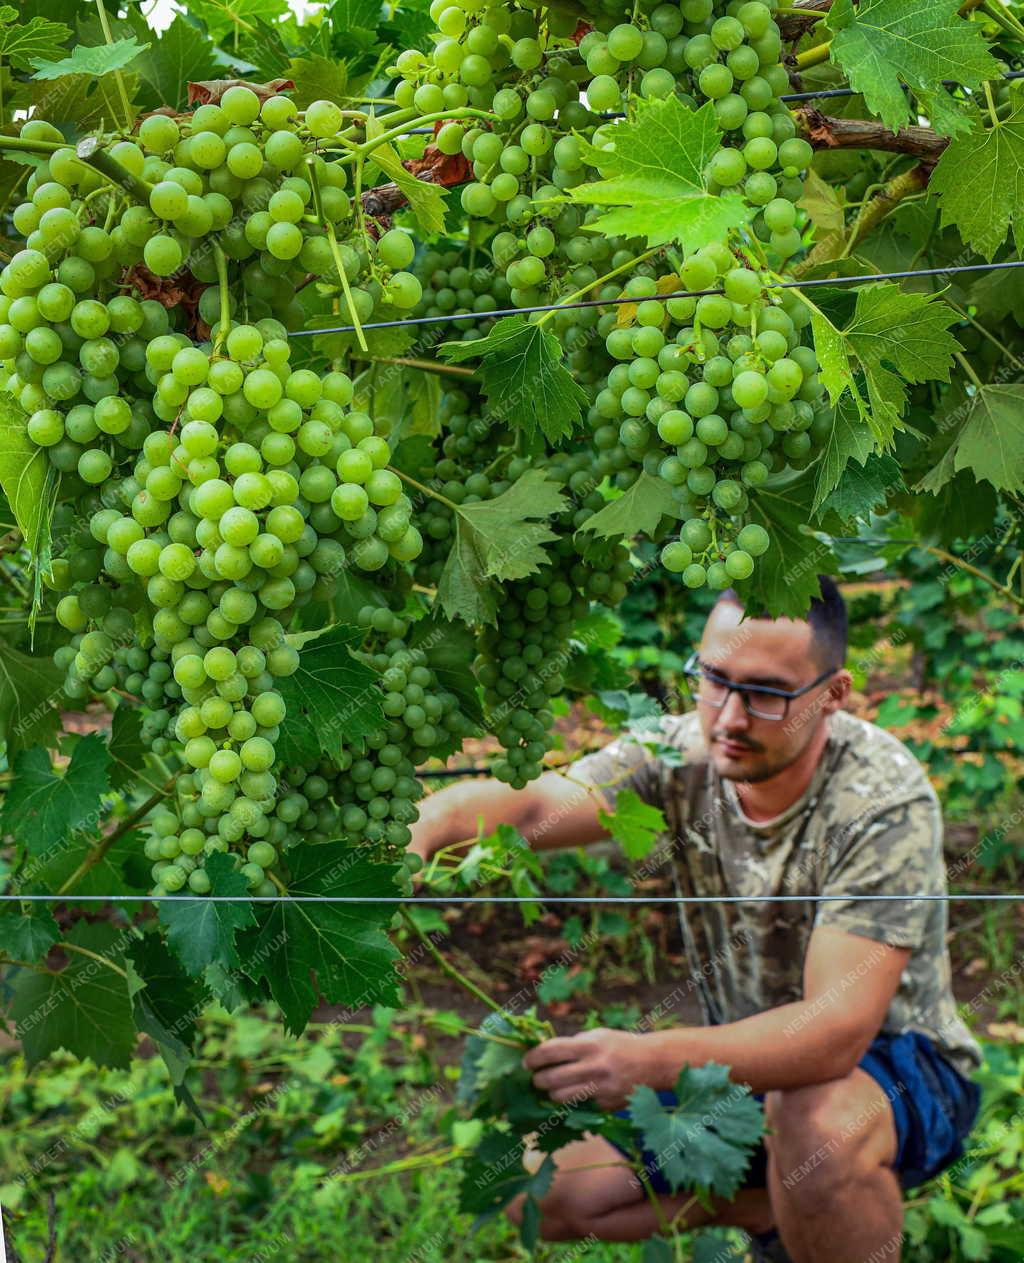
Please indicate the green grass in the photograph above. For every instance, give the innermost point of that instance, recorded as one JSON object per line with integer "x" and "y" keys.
{"x": 136, "y": 1178}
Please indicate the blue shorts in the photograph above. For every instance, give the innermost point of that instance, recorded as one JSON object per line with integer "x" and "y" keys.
{"x": 933, "y": 1105}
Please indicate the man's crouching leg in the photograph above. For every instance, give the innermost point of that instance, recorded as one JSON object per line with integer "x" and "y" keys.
{"x": 595, "y": 1193}
{"x": 834, "y": 1192}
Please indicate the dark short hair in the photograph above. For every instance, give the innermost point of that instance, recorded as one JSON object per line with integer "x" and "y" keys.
{"x": 827, "y": 617}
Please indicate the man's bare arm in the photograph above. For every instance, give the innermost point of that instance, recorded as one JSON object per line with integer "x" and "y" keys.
{"x": 849, "y": 982}
{"x": 551, "y": 812}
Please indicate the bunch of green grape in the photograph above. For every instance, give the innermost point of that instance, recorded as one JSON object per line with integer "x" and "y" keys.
{"x": 712, "y": 395}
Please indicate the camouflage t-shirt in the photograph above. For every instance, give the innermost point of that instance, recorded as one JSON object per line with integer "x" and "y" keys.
{"x": 868, "y": 824}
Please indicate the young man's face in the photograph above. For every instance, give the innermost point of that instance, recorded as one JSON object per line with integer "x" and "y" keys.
{"x": 779, "y": 653}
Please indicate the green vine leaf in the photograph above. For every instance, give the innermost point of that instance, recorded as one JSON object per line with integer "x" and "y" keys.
{"x": 883, "y": 44}
{"x": 426, "y": 200}
{"x": 333, "y": 699}
{"x": 706, "y": 1140}
{"x": 166, "y": 1002}
{"x": 523, "y": 377}
{"x": 496, "y": 539}
{"x": 317, "y": 79}
{"x": 785, "y": 580}
{"x": 989, "y": 441}
{"x": 337, "y": 952}
{"x": 223, "y": 17}
{"x": 42, "y": 807}
{"x": 102, "y": 59}
{"x": 634, "y": 824}
{"x": 23, "y": 470}
{"x": 655, "y": 175}
{"x": 494, "y": 1175}
{"x": 636, "y": 512}
{"x": 27, "y": 935}
{"x": 201, "y": 931}
{"x": 83, "y": 1008}
{"x": 30, "y": 690}
{"x": 979, "y": 181}
{"x": 863, "y": 486}
{"x": 181, "y": 55}
{"x": 39, "y": 38}
{"x": 889, "y": 330}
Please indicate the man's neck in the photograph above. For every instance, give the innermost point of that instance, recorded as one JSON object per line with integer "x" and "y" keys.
{"x": 764, "y": 800}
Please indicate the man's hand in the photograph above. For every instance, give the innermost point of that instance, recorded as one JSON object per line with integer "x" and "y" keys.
{"x": 602, "y": 1065}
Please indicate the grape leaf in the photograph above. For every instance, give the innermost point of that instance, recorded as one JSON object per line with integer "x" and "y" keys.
{"x": 317, "y": 79}
{"x": 655, "y": 176}
{"x": 636, "y": 512}
{"x": 883, "y": 44}
{"x": 41, "y": 807}
{"x": 30, "y": 689}
{"x": 494, "y": 539}
{"x": 222, "y": 17}
{"x": 165, "y": 1001}
{"x": 27, "y": 935}
{"x": 849, "y": 439}
{"x": 989, "y": 442}
{"x": 23, "y": 467}
{"x": 634, "y": 824}
{"x": 785, "y": 579}
{"x": 335, "y": 951}
{"x": 449, "y": 647}
{"x": 203, "y": 932}
{"x": 705, "y": 1140}
{"x": 889, "y": 330}
{"x": 523, "y": 377}
{"x": 864, "y": 485}
{"x": 181, "y": 55}
{"x": 495, "y": 1174}
{"x": 979, "y": 181}
{"x": 126, "y": 747}
{"x": 333, "y": 699}
{"x": 426, "y": 200}
{"x": 40, "y": 37}
{"x": 346, "y": 15}
{"x": 83, "y": 1008}
{"x": 99, "y": 60}
{"x": 123, "y": 868}
{"x": 82, "y": 99}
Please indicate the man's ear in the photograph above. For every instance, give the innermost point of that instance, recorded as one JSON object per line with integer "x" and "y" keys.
{"x": 838, "y": 693}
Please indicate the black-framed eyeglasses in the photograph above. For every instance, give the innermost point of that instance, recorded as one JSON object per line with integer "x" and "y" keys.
{"x": 761, "y": 701}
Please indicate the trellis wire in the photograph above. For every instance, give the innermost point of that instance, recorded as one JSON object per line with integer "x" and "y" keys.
{"x": 824, "y": 94}
{"x": 661, "y": 298}
{"x": 552, "y": 899}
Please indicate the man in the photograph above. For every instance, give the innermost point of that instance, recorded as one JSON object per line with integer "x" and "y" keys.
{"x": 836, "y": 1008}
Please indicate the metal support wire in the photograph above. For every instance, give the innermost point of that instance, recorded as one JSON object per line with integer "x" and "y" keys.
{"x": 661, "y": 298}
{"x": 822, "y": 95}
{"x": 552, "y": 899}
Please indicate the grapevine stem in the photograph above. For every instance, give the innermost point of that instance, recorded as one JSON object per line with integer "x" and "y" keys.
{"x": 28, "y": 964}
{"x": 85, "y": 951}
{"x": 435, "y": 495}
{"x": 335, "y": 252}
{"x": 991, "y": 104}
{"x": 428, "y": 366}
{"x": 225, "y": 297}
{"x": 91, "y": 150}
{"x": 608, "y": 276}
{"x": 103, "y": 846}
{"x": 1002, "y": 17}
{"x": 814, "y": 56}
{"x": 812, "y": 15}
{"x": 128, "y": 117}
{"x": 965, "y": 364}
{"x": 30, "y": 146}
{"x": 1003, "y": 591}
{"x": 446, "y": 966}
{"x": 368, "y": 146}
